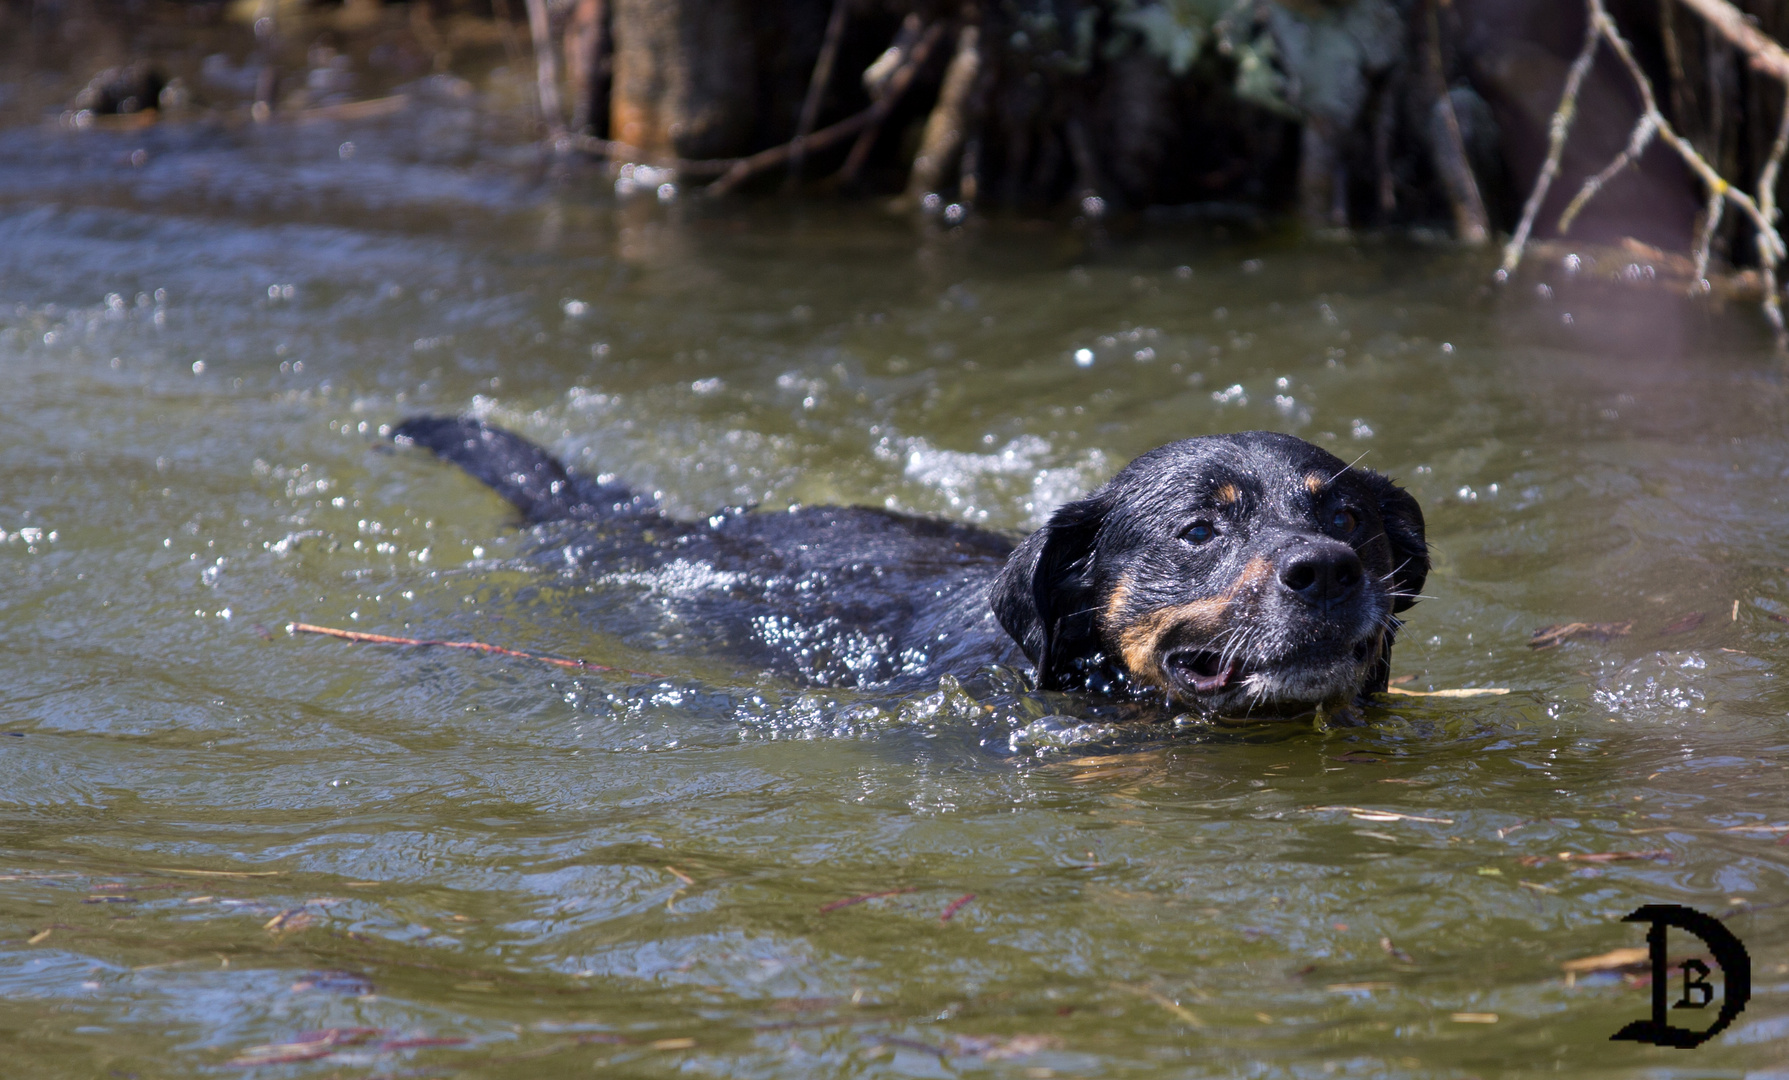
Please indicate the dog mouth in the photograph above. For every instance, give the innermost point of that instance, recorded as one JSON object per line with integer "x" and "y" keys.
{"x": 1204, "y": 671}
{"x": 1209, "y": 672}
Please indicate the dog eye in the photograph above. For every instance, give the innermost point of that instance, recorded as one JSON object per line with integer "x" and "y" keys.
{"x": 1198, "y": 532}
{"x": 1342, "y": 520}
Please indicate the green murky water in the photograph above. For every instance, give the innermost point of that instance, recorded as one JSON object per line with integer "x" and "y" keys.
{"x": 228, "y": 850}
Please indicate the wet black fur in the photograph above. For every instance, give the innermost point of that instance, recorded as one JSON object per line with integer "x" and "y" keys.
{"x": 854, "y": 596}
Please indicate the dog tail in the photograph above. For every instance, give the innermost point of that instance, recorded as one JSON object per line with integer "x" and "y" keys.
{"x": 533, "y": 481}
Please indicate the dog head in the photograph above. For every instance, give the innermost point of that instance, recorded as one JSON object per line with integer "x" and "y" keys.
{"x": 1228, "y": 573}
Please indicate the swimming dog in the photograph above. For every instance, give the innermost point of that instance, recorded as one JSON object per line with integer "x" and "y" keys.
{"x": 1227, "y": 574}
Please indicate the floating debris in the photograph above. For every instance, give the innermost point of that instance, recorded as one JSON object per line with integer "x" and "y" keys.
{"x": 1683, "y": 624}
{"x": 955, "y": 906}
{"x": 1548, "y": 636}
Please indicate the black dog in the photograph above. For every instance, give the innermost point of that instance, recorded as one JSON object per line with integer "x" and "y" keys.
{"x": 1227, "y": 573}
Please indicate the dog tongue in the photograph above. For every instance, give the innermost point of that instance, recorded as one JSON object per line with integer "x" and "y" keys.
{"x": 1207, "y": 683}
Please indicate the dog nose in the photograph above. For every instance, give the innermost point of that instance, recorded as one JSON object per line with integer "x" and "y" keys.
{"x": 1322, "y": 575}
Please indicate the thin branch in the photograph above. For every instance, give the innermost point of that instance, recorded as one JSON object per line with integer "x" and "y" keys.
{"x": 1637, "y": 143}
{"x": 475, "y": 646}
{"x": 1734, "y": 25}
{"x": 1714, "y": 181}
{"x": 1711, "y": 220}
{"x": 616, "y": 150}
{"x": 891, "y": 94}
{"x": 1556, "y": 133}
{"x": 822, "y": 78}
{"x": 1767, "y": 56}
{"x": 864, "y": 122}
{"x": 1767, "y": 202}
{"x": 1471, "y": 224}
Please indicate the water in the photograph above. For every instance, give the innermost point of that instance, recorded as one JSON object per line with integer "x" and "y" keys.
{"x": 227, "y": 849}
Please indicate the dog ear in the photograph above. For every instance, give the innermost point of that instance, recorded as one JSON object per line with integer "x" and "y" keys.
{"x": 1042, "y": 596}
{"x": 1403, "y": 520}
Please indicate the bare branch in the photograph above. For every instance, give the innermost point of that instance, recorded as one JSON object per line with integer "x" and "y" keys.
{"x": 1556, "y": 133}
{"x": 1637, "y": 143}
{"x": 818, "y": 82}
{"x": 1766, "y": 55}
{"x": 1711, "y": 220}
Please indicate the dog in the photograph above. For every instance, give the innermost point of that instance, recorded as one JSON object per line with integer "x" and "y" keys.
{"x": 1231, "y": 575}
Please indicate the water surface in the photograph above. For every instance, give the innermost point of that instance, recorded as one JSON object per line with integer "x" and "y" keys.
{"x": 228, "y": 850}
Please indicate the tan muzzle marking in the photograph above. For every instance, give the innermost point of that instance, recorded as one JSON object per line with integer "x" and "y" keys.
{"x": 1138, "y": 642}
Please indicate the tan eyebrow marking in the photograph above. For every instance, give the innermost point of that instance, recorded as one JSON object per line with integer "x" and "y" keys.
{"x": 1315, "y": 482}
{"x": 1228, "y": 494}
{"x": 1138, "y": 642}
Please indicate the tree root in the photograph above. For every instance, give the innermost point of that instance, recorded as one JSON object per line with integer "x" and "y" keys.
{"x": 1766, "y": 56}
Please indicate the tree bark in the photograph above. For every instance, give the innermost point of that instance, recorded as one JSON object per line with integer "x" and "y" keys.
{"x": 684, "y": 77}
{"x": 586, "y": 62}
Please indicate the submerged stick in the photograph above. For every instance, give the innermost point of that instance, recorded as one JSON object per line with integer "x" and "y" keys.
{"x": 475, "y": 646}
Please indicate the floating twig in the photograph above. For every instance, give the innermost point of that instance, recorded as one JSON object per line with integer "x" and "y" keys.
{"x": 1365, "y": 814}
{"x": 476, "y": 646}
{"x": 1548, "y": 636}
{"x": 1459, "y": 692}
{"x": 955, "y": 906}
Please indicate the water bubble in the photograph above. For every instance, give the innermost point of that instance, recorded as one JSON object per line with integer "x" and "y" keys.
{"x": 1183, "y": 272}
{"x": 1093, "y": 206}
{"x": 955, "y": 213}
{"x": 667, "y": 193}
{"x": 574, "y": 308}
{"x": 198, "y": 367}
{"x": 1447, "y": 346}
{"x": 1084, "y": 357}
{"x": 1233, "y": 394}
{"x": 1251, "y": 266}
{"x": 931, "y": 202}
{"x": 345, "y": 151}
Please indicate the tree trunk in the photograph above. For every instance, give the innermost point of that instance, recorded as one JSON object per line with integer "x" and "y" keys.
{"x": 684, "y": 77}
{"x": 587, "y": 63}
